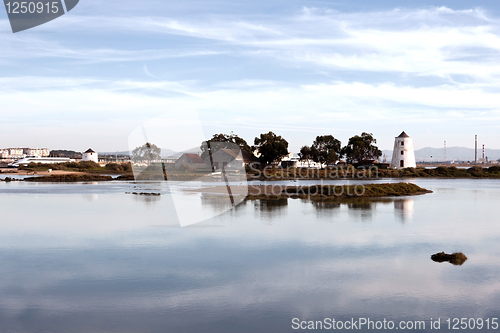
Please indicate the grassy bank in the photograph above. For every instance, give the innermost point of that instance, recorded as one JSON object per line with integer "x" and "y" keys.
{"x": 442, "y": 172}
{"x": 69, "y": 178}
{"x": 87, "y": 166}
{"x": 372, "y": 172}
{"x": 343, "y": 192}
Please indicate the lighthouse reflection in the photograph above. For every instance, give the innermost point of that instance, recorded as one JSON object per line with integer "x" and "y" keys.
{"x": 403, "y": 209}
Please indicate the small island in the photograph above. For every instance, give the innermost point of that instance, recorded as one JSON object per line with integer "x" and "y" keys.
{"x": 320, "y": 192}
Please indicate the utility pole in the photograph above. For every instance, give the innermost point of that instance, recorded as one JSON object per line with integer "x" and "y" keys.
{"x": 475, "y": 157}
{"x": 444, "y": 153}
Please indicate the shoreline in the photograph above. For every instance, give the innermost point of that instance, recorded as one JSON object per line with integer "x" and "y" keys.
{"x": 279, "y": 174}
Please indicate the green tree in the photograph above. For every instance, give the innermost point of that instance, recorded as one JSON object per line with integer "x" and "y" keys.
{"x": 326, "y": 149}
{"x": 305, "y": 154}
{"x": 361, "y": 148}
{"x": 271, "y": 147}
{"x": 223, "y": 141}
{"x": 148, "y": 152}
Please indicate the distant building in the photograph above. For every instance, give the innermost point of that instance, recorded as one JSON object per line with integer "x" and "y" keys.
{"x": 403, "y": 155}
{"x": 44, "y": 152}
{"x": 90, "y": 155}
{"x": 16, "y": 153}
{"x": 193, "y": 160}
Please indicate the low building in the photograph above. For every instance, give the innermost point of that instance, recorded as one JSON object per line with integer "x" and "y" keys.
{"x": 90, "y": 155}
{"x": 193, "y": 160}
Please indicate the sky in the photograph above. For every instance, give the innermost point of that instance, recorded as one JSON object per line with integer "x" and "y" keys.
{"x": 297, "y": 68}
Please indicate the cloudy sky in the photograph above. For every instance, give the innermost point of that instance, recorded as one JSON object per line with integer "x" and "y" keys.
{"x": 298, "y": 68}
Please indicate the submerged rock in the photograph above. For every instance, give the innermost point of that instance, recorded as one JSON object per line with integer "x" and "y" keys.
{"x": 457, "y": 258}
{"x": 143, "y": 193}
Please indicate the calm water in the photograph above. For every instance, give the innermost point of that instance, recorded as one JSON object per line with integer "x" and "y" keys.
{"x": 90, "y": 258}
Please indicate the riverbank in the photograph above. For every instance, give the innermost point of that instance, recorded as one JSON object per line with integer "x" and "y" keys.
{"x": 344, "y": 172}
{"x": 9, "y": 171}
{"x": 340, "y": 172}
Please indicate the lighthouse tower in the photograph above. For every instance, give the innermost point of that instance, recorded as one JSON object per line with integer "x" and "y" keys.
{"x": 403, "y": 155}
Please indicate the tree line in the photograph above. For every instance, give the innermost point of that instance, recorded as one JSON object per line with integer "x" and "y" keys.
{"x": 325, "y": 149}
{"x": 270, "y": 148}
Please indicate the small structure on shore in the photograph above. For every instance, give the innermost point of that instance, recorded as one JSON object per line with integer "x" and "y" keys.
{"x": 90, "y": 155}
{"x": 403, "y": 155}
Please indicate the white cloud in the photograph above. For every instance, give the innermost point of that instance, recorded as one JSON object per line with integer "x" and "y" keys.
{"x": 445, "y": 58}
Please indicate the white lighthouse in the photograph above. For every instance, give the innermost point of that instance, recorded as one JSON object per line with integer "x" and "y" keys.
{"x": 403, "y": 155}
{"x": 90, "y": 155}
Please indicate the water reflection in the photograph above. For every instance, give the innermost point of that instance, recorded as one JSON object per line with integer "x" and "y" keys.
{"x": 147, "y": 199}
{"x": 64, "y": 270}
{"x": 325, "y": 205}
{"x": 91, "y": 197}
{"x": 403, "y": 209}
{"x": 270, "y": 209}
{"x": 361, "y": 209}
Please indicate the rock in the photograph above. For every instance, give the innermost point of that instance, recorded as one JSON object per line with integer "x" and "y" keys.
{"x": 457, "y": 258}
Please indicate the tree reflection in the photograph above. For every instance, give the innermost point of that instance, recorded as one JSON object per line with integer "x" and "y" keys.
{"x": 147, "y": 199}
{"x": 221, "y": 202}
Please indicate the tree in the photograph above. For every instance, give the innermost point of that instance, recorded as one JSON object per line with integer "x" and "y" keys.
{"x": 325, "y": 149}
{"x": 361, "y": 148}
{"x": 147, "y": 152}
{"x": 305, "y": 154}
{"x": 271, "y": 147}
{"x": 223, "y": 141}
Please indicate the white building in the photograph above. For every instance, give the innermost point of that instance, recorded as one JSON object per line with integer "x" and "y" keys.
{"x": 90, "y": 155}
{"x": 44, "y": 152}
{"x": 403, "y": 155}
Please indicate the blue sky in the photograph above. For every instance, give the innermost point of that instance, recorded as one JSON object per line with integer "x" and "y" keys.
{"x": 298, "y": 68}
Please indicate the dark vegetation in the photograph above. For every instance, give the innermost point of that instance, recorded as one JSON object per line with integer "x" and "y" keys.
{"x": 442, "y": 172}
{"x": 147, "y": 152}
{"x": 223, "y": 141}
{"x": 66, "y": 153}
{"x": 457, "y": 258}
{"x": 270, "y": 147}
{"x": 341, "y": 192}
{"x": 70, "y": 178}
{"x": 87, "y": 166}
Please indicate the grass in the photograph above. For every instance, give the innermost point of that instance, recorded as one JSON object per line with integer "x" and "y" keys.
{"x": 68, "y": 178}
{"x": 342, "y": 192}
{"x": 84, "y": 166}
